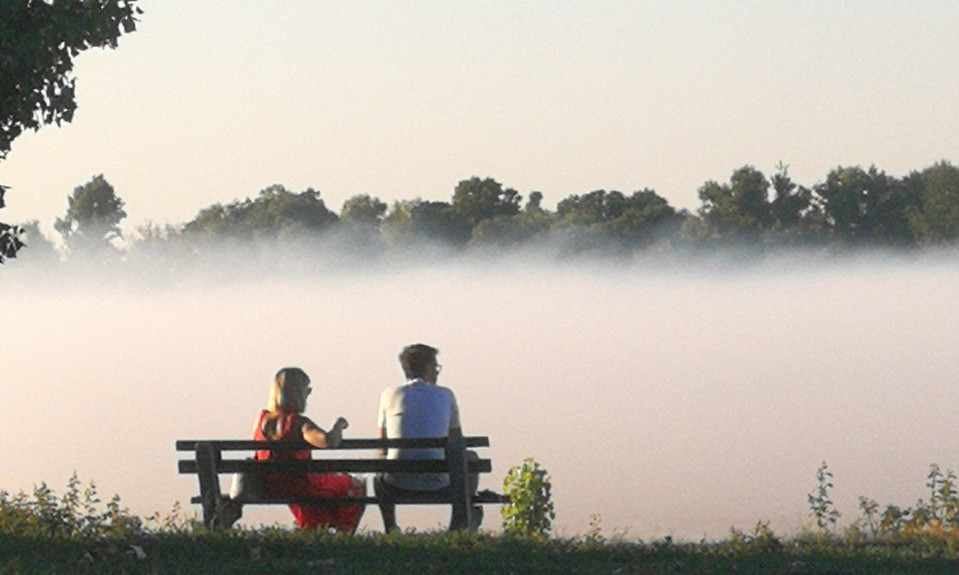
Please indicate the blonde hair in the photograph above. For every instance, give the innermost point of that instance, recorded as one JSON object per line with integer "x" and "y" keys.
{"x": 286, "y": 390}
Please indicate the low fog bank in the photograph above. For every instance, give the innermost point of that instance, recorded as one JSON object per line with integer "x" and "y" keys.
{"x": 666, "y": 397}
{"x": 163, "y": 265}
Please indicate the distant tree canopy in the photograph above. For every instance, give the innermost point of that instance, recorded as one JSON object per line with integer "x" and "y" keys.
{"x": 602, "y": 218}
{"x": 363, "y": 211}
{"x": 867, "y": 206}
{"x": 275, "y": 213}
{"x": 852, "y": 207}
{"x": 476, "y": 200}
{"x": 936, "y": 218}
{"x": 93, "y": 217}
{"x": 38, "y": 41}
{"x": 792, "y": 206}
{"x": 420, "y": 221}
{"x": 740, "y": 209}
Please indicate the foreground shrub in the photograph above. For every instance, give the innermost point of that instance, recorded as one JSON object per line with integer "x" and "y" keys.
{"x": 938, "y": 517}
{"x": 530, "y": 510}
{"x": 78, "y": 514}
{"x": 820, "y": 502}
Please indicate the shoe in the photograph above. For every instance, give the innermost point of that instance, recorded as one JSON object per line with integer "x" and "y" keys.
{"x": 476, "y": 518}
{"x": 227, "y": 513}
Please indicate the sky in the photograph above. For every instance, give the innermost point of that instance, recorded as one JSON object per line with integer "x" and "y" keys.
{"x": 214, "y": 101}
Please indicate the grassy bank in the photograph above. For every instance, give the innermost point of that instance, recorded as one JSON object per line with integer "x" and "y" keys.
{"x": 78, "y": 533}
{"x": 278, "y": 551}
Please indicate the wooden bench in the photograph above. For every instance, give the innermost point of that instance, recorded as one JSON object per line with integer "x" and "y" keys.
{"x": 209, "y": 463}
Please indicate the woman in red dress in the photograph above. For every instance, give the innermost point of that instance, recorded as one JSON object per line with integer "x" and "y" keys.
{"x": 283, "y": 419}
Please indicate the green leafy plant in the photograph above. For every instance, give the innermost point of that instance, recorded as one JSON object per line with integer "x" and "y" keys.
{"x": 943, "y": 502}
{"x": 761, "y": 540}
{"x": 939, "y": 514}
{"x": 530, "y": 511}
{"x": 871, "y": 519}
{"x": 175, "y": 521}
{"x": 820, "y": 504}
{"x": 595, "y": 533}
{"x": 78, "y": 514}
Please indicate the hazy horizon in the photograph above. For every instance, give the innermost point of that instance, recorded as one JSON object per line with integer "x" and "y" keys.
{"x": 666, "y": 399}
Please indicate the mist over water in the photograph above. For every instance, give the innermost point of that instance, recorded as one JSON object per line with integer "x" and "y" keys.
{"x": 668, "y": 399}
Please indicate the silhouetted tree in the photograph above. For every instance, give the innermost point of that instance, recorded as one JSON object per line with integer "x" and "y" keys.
{"x": 645, "y": 216}
{"x": 534, "y": 201}
{"x": 10, "y": 236}
{"x": 38, "y": 41}
{"x": 739, "y": 210}
{"x": 936, "y": 221}
{"x": 276, "y": 213}
{"x": 867, "y": 206}
{"x": 94, "y": 213}
{"x": 791, "y": 202}
{"x": 593, "y": 209}
{"x": 796, "y": 218}
{"x": 475, "y": 200}
{"x": 580, "y": 222}
{"x": 363, "y": 211}
{"x": 438, "y": 221}
{"x": 612, "y": 220}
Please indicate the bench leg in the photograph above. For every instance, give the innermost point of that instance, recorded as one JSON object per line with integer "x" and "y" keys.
{"x": 459, "y": 484}
{"x": 206, "y": 459}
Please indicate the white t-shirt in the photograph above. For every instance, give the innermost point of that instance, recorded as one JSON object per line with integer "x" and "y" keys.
{"x": 418, "y": 409}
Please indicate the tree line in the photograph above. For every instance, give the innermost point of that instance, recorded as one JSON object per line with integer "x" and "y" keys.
{"x": 851, "y": 207}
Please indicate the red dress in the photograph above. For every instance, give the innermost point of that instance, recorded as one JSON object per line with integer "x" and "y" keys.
{"x": 317, "y": 485}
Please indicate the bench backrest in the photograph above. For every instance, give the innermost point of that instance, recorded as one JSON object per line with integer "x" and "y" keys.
{"x": 329, "y": 459}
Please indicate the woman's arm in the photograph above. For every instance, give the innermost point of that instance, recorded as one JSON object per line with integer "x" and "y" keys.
{"x": 316, "y": 437}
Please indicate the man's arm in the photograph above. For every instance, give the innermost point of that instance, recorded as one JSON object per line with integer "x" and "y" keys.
{"x": 382, "y": 452}
{"x": 456, "y": 428}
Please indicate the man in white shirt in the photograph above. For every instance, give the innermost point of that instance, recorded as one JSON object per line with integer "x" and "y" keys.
{"x": 420, "y": 408}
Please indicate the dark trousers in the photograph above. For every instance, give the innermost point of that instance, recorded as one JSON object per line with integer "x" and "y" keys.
{"x": 388, "y": 494}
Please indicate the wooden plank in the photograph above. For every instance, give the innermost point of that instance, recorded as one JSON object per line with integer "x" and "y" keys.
{"x": 336, "y": 465}
{"x": 483, "y": 498}
{"x": 347, "y": 444}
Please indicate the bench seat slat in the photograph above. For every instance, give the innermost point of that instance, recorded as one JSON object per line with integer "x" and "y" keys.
{"x": 424, "y": 499}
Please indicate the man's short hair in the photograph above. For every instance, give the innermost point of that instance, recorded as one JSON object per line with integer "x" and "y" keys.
{"x": 416, "y": 358}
